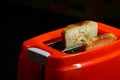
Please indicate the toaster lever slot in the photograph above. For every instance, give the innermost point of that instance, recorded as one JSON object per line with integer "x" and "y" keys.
{"x": 38, "y": 55}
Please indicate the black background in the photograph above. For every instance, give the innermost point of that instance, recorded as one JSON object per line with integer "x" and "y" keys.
{"x": 27, "y": 22}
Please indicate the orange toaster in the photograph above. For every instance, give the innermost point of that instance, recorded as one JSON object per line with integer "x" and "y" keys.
{"x": 40, "y": 60}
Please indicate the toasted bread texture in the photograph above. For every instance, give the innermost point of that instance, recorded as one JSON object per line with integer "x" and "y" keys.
{"x": 104, "y": 39}
{"x": 80, "y": 33}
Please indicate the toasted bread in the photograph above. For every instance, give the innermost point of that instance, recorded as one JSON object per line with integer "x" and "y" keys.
{"x": 104, "y": 39}
{"x": 80, "y": 33}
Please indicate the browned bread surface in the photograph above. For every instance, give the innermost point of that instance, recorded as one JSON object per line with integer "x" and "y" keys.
{"x": 80, "y": 33}
{"x": 104, "y": 39}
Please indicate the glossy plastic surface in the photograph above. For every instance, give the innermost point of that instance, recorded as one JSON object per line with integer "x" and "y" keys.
{"x": 99, "y": 64}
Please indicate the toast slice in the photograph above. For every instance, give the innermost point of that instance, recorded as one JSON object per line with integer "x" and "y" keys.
{"x": 80, "y": 33}
{"x": 104, "y": 39}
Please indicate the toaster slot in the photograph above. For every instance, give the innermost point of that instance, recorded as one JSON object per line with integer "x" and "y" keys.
{"x": 73, "y": 50}
{"x": 59, "y": 45}
{"x": 43, "y": 73}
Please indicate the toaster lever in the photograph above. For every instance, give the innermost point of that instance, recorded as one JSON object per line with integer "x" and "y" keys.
{"x": 38, "y": 55}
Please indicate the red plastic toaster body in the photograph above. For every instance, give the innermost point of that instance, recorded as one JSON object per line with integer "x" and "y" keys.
{"x": 38, "y": 61}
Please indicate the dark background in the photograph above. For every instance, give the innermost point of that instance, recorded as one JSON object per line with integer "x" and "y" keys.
{"x": 25, "y": 22}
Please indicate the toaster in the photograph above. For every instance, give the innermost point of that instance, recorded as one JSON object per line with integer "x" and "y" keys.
{"x": 43, "y": 58}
